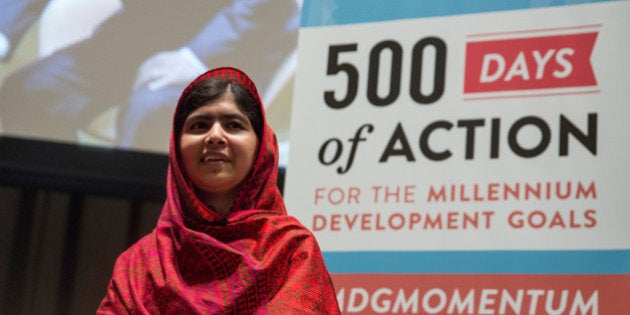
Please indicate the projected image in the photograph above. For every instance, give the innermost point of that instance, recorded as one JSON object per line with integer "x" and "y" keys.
{"x": 109, "y": 72}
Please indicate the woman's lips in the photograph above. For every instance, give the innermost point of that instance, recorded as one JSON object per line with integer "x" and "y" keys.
{"x": 215, "y": 157}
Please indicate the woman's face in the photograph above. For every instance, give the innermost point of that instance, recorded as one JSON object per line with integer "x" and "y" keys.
{"x": 218, "y": 146}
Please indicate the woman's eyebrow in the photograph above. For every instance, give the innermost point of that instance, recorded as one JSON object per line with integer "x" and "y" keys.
{"x": 205, "y": 116}
{"x": 238, "y": 116}
{"x": 199, "y": 117}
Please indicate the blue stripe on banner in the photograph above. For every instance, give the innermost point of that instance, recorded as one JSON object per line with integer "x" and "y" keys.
{"x": 339, "y": 12}
{"x": 481, "y": 262}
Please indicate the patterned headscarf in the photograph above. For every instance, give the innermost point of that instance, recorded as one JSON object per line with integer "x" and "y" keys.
{"x": 257, "y": 260}
{"x": 259, "y": 190}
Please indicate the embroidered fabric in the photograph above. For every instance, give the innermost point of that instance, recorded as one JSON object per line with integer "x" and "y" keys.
{"x": 257, "y": 260}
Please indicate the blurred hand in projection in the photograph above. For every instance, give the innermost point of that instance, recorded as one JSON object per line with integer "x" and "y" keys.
{"x": 168, "y": 69}
{"x": 116, "y": 84}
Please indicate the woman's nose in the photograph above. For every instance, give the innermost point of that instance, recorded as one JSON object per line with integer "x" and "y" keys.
{"x": 215, "y": 135}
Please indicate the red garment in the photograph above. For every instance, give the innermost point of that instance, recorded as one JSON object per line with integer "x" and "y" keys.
{"x": 257, "y": 260}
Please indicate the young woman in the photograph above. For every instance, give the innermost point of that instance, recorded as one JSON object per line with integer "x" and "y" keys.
{"x": 223, "y": 243}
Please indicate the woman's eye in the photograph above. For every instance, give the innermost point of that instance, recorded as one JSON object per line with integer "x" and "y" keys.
{"x": 234, "y": 125}
{"x": 198, "y": 126}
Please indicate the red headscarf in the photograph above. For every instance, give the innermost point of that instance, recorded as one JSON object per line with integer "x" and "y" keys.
{"x": 257, "y": 260}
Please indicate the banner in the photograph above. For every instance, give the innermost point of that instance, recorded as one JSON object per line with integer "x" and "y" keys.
{"x": 454, "y": 158}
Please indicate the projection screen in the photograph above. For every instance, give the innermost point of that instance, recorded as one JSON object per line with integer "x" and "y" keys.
{"x": 109, "y": 72}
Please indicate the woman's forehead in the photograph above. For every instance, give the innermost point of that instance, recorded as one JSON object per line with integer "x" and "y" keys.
{"x": 221, "y": 106}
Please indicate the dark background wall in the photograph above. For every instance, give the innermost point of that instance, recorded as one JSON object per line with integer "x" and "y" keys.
{"x": 66, "y": 213}
{"x": 57, "y": 248}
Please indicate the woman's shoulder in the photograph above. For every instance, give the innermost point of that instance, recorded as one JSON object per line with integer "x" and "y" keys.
{"x": 139, "y": 251}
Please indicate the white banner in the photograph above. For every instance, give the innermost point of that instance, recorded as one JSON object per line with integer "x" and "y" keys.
{"x": 454, "y": 158}
{"x": 387, "y": 160}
